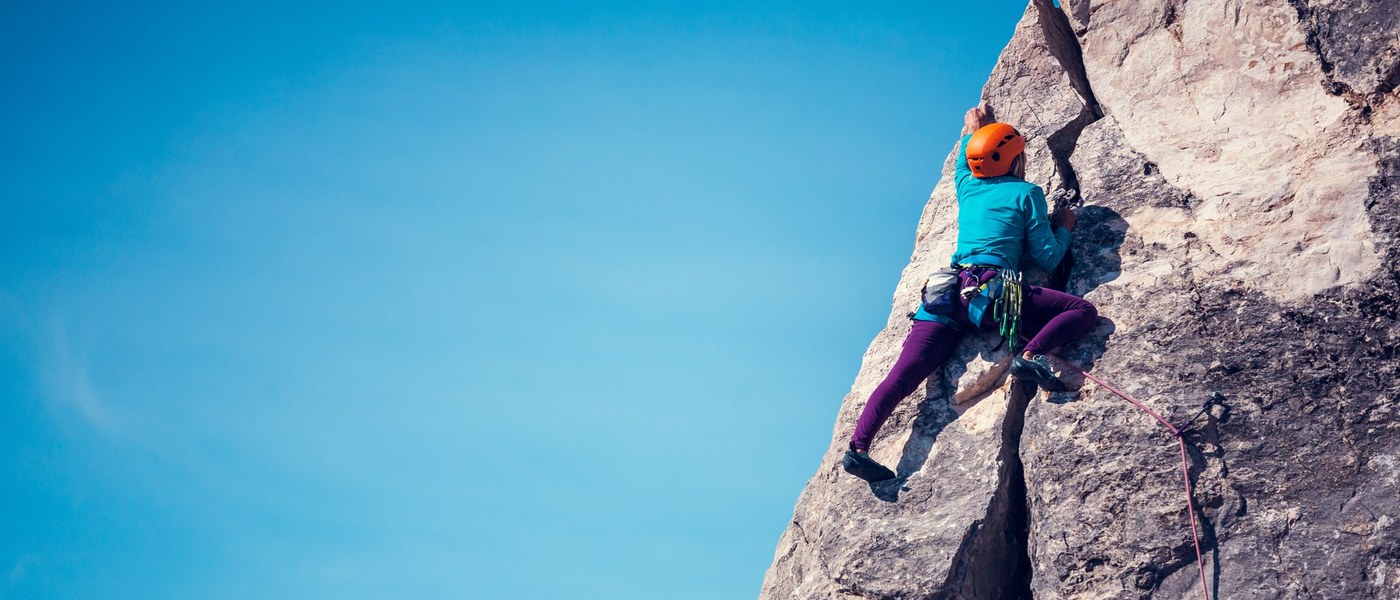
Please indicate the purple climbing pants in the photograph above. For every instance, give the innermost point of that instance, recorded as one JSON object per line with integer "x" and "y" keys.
{"x": 1055, "y": 317}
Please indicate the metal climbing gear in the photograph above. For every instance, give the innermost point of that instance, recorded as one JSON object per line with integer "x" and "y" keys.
{"x": 996, "y": 291}
{"x": 1008, "y": 309}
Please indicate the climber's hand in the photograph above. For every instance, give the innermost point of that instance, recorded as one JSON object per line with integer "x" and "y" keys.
{"x": 977, "y": 117}
{"x": 1064, "y": 217}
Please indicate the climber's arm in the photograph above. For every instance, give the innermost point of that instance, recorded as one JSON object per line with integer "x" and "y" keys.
{"x": 1046, "y": 243}
{"x": 974, "y": 119}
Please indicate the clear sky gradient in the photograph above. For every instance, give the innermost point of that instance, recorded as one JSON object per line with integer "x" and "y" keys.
{"x": 448, "y": 300}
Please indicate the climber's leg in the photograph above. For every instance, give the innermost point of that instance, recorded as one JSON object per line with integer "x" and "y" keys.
{"x": 1056, "y": 318}
{"x": 927, "y": 347}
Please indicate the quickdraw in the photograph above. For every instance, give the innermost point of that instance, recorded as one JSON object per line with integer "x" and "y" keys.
{"x": 995, "y": 291}
{"x": 1008, "y": 309}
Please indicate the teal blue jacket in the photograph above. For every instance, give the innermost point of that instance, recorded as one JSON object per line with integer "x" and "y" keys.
{"x": 1004, "y": 217}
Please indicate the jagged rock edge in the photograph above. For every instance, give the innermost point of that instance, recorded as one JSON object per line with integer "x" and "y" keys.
{"x": 1064, "y": 46}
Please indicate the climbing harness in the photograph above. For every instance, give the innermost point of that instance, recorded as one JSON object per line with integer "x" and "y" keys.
{"x": 996, "y": 290}
{"x": 1178, "y": 433}
{"x": 982, "y": 288}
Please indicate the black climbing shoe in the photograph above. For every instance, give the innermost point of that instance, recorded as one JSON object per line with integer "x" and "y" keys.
{"x": 1037, "y": 370}
{"x": 861, "y": 465}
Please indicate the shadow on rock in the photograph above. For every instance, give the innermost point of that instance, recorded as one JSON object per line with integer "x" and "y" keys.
{"x": 1083, "y": 353}
{"x": 935, "y": 412}
{"x": 889, "y": 490}
{"x": 1097, "y": 237}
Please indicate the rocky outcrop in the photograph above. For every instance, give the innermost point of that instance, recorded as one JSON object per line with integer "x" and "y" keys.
{"x": 1241, "y": 166}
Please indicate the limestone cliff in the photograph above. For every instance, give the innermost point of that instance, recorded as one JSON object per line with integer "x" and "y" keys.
{"x": 1240, "y": 160}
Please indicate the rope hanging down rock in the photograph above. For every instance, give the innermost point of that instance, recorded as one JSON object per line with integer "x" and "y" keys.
{"x": 1185, "y": 465}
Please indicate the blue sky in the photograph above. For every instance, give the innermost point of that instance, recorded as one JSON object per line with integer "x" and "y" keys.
{"x": 456, "y": 300}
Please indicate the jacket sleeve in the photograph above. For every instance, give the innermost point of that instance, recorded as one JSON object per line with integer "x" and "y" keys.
{"x": 961, "y": 172}
{"x": 1045, "y": 246}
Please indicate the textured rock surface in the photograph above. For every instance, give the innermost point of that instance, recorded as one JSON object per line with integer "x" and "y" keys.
{"x": 1357, "y": 44}
{"x": 1241, "y": 162}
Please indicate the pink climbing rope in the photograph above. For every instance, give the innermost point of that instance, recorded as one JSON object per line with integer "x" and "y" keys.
{"x": 1185, "y": 465}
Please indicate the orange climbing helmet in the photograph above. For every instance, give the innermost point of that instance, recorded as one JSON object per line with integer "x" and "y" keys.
{"x": 992, "y": 148}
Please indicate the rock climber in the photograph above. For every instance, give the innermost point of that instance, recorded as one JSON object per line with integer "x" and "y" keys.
{"x": 1001, "y": 219}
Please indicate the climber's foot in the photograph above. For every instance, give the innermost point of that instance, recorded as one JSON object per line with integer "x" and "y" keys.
{"x": 1037, "y": 370}
{"x": 861, "y": 465}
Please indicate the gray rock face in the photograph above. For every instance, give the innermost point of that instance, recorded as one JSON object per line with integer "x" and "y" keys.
{"x": 1241, "y": 165}
{"x": 1357, "y": 44}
